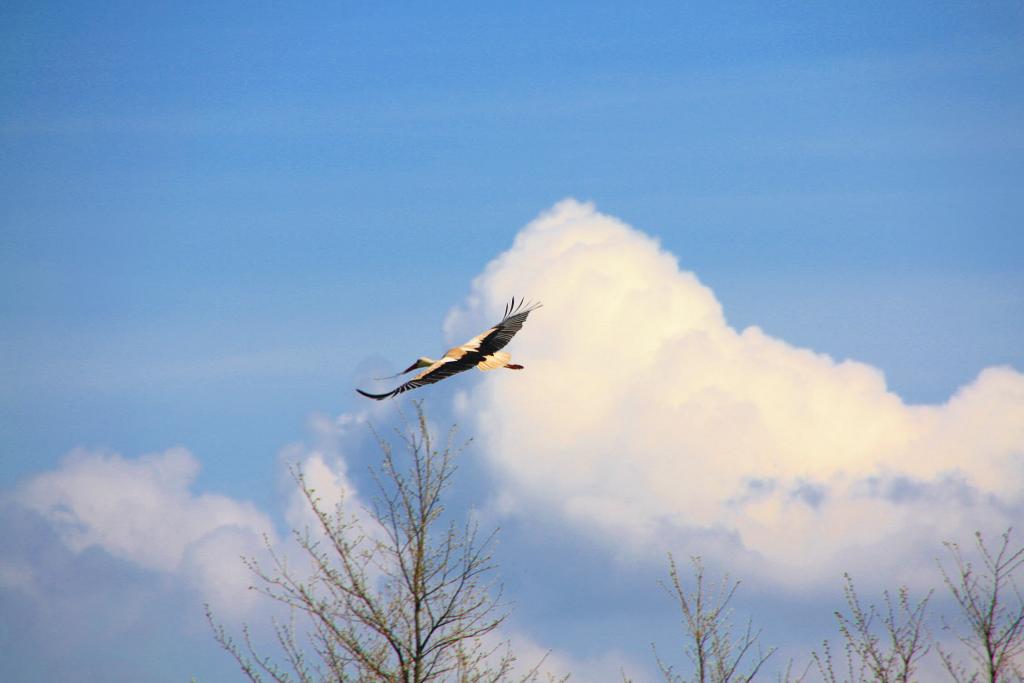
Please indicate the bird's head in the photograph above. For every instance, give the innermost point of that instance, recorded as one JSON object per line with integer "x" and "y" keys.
{"x": 421, "y": 362}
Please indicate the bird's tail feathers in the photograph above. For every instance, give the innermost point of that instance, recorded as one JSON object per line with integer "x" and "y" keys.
{"x": 495, "y": 360}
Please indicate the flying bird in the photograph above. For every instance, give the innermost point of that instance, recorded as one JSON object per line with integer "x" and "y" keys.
{"x": 483, "y": 351}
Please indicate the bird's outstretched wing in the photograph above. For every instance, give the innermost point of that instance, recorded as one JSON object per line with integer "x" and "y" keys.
{"x": 501, "y": 334}
{"x": 446, "y": 367}
{"x": 469, "y": 354}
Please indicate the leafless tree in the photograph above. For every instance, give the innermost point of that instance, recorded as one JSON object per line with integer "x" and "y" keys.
{"x": 992, "y": 612}
{"x": 404, "y": 598}
{"x": 718, "y": 654}
{"x": 881, "y": 646}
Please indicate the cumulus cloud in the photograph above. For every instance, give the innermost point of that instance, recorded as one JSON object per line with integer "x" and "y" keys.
{"x": 325, "y": 471}
{"x": 137, "y": 509}
{"x": 142, "y": 510}
{"x": 646, "y": 419}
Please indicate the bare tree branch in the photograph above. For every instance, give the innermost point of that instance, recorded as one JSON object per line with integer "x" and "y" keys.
{"x": 716, "y": 653}
{"x": 991, "y": 611}
{"x": 410, "y": 603}
{"x": 881, "y": 646}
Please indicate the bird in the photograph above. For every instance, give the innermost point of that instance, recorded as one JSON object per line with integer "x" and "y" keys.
{"x": 483, "y": 351}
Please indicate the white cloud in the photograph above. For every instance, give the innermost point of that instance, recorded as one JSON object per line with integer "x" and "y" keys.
{"x": 644, "y": 418}
{"x": 139, "y": 510}
{"x": 142, "y": 510}
{"x": 325, "y": 471}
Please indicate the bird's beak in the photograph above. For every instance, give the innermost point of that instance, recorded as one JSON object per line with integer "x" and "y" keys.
{"x": 398, "y": 374}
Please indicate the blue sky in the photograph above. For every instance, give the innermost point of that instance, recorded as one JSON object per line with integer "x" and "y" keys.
{"x": 216, "y": 220}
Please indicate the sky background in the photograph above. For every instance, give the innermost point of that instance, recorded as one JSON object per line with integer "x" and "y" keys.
{"x": 215, "y": 221}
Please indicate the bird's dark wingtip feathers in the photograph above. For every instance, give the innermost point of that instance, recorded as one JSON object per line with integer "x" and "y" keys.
{"x": 377, "y": 397}
{"x": 512, "y": 308}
